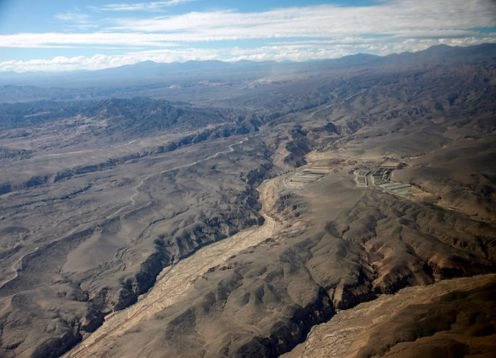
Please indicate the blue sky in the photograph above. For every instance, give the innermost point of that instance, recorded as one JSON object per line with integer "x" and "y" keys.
{"x": 60, "y": 35}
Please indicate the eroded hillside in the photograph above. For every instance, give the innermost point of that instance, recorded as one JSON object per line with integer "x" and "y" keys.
{"x": 152, "y": 228}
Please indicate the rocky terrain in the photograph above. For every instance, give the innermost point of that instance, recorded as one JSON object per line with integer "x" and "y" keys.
{"x": 233, "y": 224}
{"x": 450, "y": 318}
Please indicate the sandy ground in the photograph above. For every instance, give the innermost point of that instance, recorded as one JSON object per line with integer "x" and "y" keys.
{"x": 174, "y": 281}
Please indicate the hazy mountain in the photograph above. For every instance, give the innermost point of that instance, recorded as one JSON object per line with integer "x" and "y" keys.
{"x": 149, "y": 72}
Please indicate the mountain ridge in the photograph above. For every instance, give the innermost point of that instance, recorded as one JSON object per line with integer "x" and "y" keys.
{"x": 193, "y": 67}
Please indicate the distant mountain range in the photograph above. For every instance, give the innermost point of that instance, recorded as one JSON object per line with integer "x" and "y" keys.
{"x": 151, "y": 72}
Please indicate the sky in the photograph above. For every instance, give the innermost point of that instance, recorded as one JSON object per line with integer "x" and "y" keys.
{"x": 65, "y": 35}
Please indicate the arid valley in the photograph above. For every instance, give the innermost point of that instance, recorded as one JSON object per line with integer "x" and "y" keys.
{"x": 340, "y": 208}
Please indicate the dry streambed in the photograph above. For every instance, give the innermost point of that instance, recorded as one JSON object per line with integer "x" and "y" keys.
{"x": 174, "y": 282}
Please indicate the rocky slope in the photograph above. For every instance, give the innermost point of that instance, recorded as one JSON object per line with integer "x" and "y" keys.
{"x": 449, "y": 318}
{"x": 88, "y": 226}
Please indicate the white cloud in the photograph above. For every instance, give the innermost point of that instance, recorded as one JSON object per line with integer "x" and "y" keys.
{"x": 140, "y": 6}
{"x": 56, "y": 39}
{"x": 301, "y": 51}
{"x": 398, "y": 17}
{"x": 76, "y": 19}
{"x": 405, "y": 18}
{"x": 296, "y": 33}
{"x": 97, "y": 62}
{"x": 71, "y": 16}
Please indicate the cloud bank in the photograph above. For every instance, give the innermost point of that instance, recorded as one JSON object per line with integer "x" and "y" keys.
{"x": 295, "y": 33}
